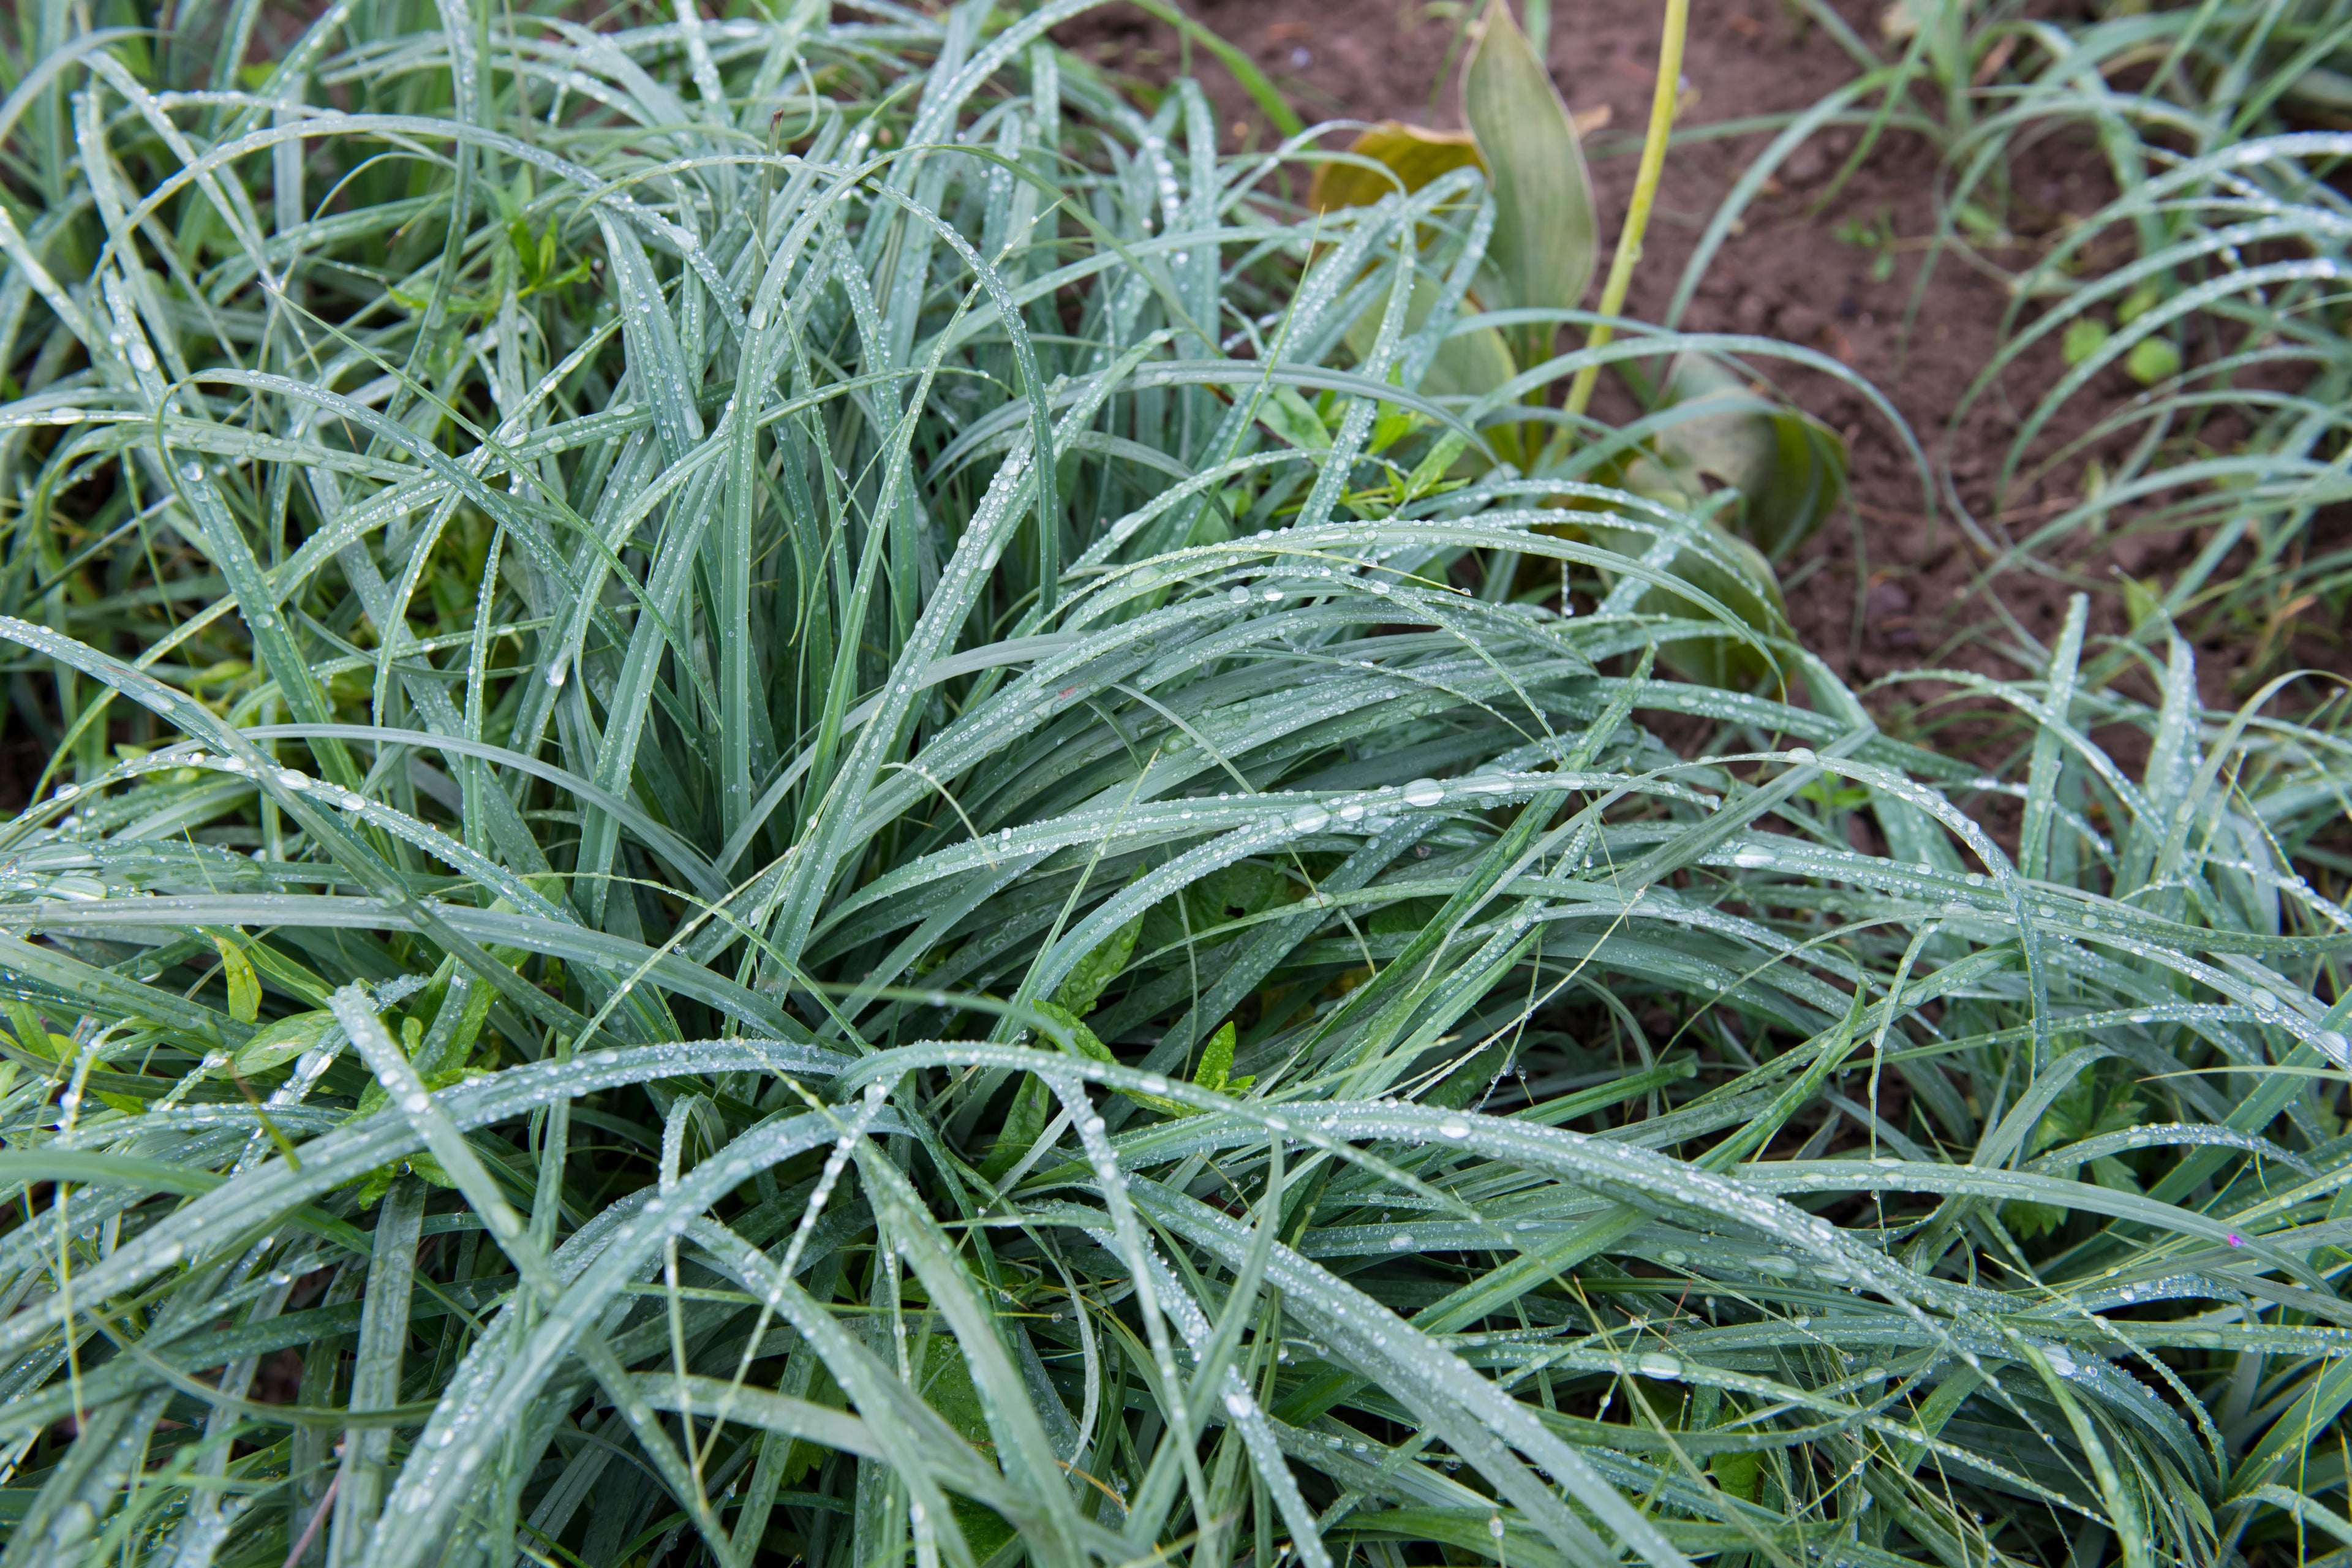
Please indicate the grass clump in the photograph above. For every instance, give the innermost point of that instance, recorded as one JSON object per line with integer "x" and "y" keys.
{"x": 2214, "y": 277}
{"x": 806, "y": 800}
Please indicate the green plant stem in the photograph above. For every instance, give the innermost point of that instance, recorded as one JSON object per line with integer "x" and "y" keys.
{"x": 1645, "y": 193}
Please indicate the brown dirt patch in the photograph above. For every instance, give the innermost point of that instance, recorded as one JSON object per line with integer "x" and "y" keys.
{"x": 1892, "y": 583}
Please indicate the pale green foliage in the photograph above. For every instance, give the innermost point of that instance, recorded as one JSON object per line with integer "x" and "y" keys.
{"x": 797, "y": 706}
{"x": 2231, "y": 312}
{"x": 1546, "y": 238}
{"x": 2187, "y": 234}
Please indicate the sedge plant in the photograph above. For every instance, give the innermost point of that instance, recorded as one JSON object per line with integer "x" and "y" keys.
{"x": 806, "y": 797}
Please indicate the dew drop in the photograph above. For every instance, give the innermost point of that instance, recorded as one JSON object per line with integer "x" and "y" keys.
{"x": 1423, "y": 792}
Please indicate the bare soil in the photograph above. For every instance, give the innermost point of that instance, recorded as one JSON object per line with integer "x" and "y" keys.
{"x": 1831, "y": 257}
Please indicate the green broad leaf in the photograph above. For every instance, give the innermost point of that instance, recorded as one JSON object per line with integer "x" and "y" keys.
{"x": 1979, "y": 223}
{"x": 1292, "y": 419}
{"x": 1735, "y": 1474}
{"x": 371, "y": 1188}
{"x": 526, "y": 249}
{"x": 2152, "y": 360}
{"x": 1097, "y": 969}
{"x": 1081, "y": 1036}
{"x": 1172, "y": 1108}
{"x": 1231, "y": 894}
{"x": 1430, "y": 472}
{"x": 282, "y": 1041}
{"x": 450, "y": 1051}
{"x": 1391, "y": 425}
{"x": 1468, "y": 365}
{"x": 1546, "y": 238}
{"x": 2083, "y": 1110}
{"x": 1789, "y": 467}
{"x": 244, "y": 985}
{"x": 1410, "y": 155}
{"x": 1246, "y": 887}
{"x": 1033, "y": 1102}
{"x": 1215, "y": 1071}
{"x": 33, "y": 1034}
{"x": 428, "y": 1169}
{"x": 1474, "y": 1077}
{"x": 1844, "y": 798}
{"x": 804, "y": 1456}
{"x": 948, "y": 1388}
{"x": 2084, "y": 336}
{"x": 1405, "y": 917}
{"x": 2029, "y": 1220}
{"x": 1032, "y": 1109}
{"x": 443, "y": 1050}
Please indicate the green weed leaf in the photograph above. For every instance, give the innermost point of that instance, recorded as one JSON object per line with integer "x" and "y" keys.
{"x": 1546, "y": 239}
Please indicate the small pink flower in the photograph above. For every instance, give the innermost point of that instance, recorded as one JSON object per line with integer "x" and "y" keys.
{"x": 2237, "y": 1240}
